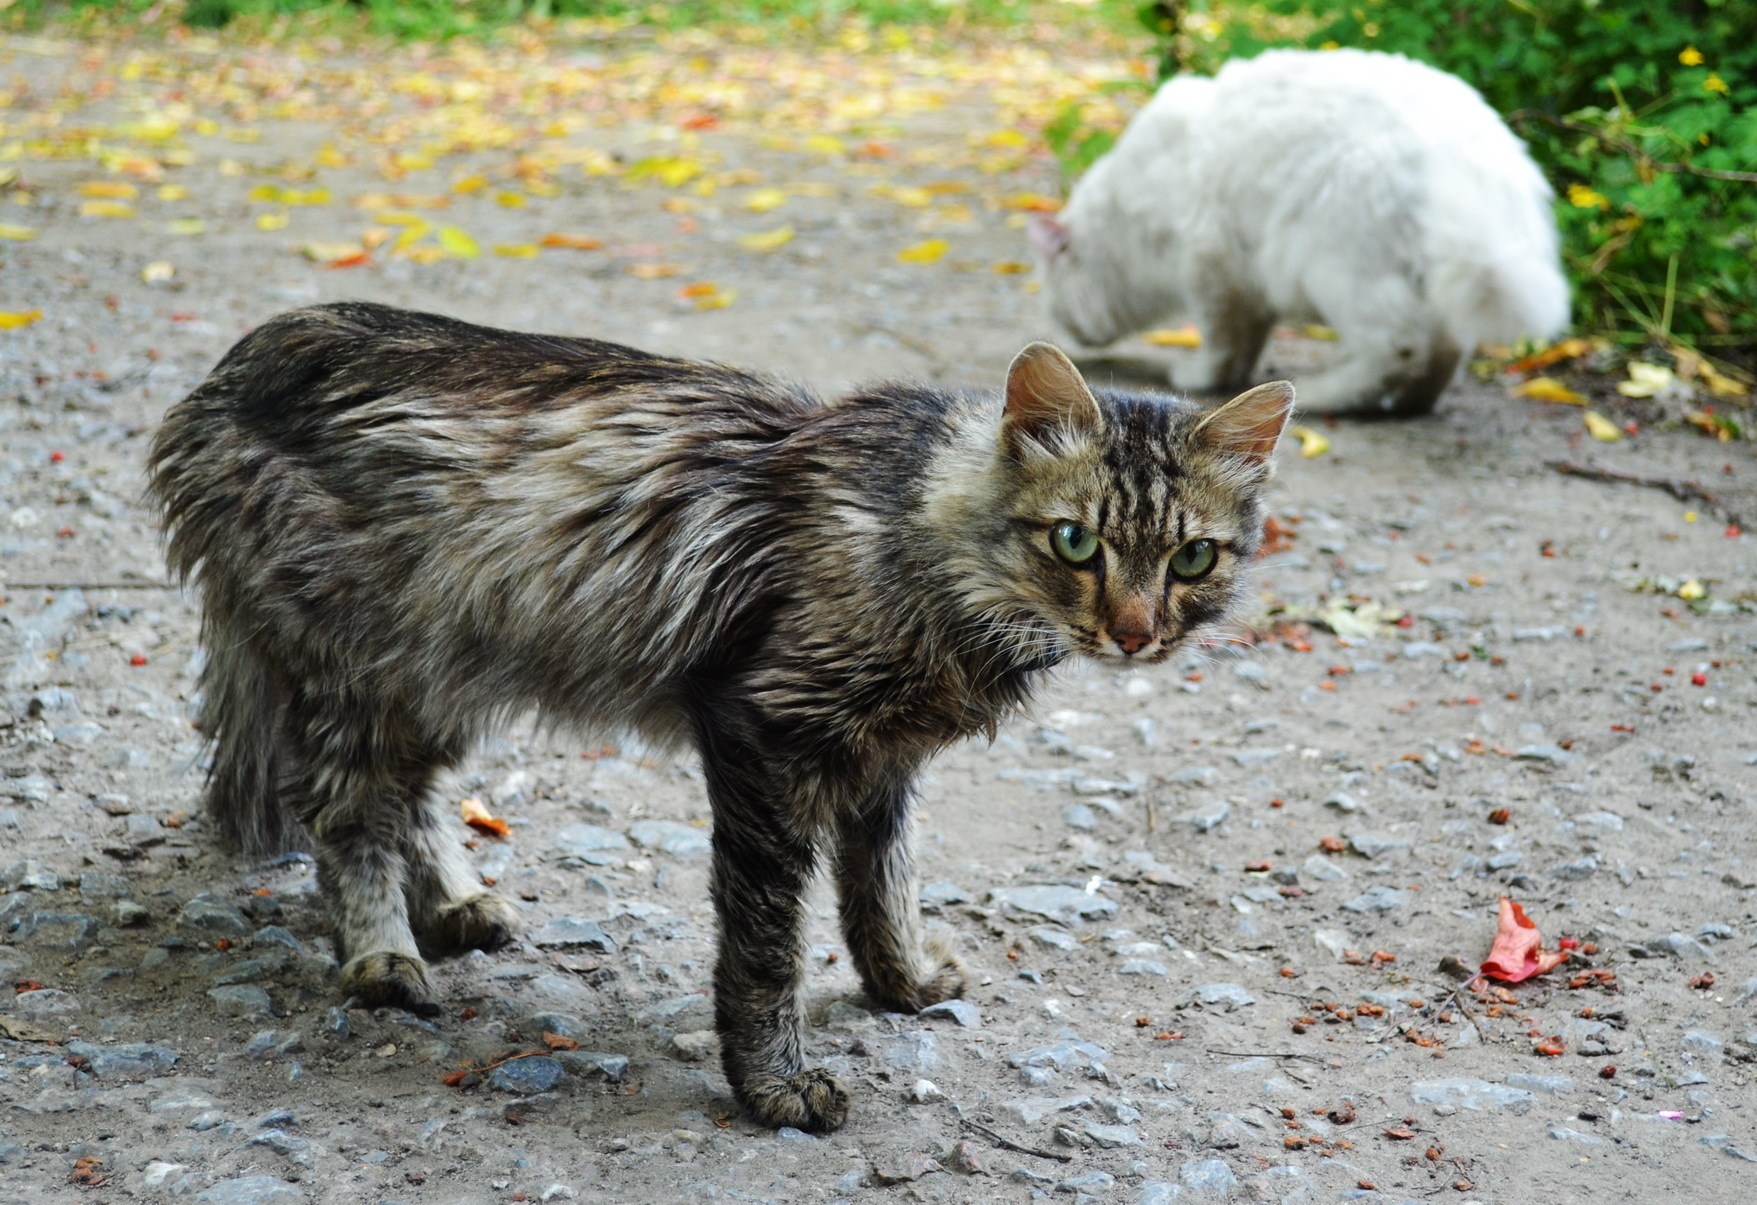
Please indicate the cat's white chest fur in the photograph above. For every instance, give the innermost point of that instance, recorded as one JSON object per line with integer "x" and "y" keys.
{"x": 1367, "y": 191}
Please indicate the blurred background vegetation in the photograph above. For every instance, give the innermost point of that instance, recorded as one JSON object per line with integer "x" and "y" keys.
{"x": 1643, "y": 114}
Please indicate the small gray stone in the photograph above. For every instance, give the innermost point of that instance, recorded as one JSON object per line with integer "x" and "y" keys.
{"x": 1546, "y": 753}
{"x": 1079, "y": 816}
{"x": 1320, "y": 869}
{"x": 1227, "y": 996}
{"x": 252, "y": 1190}
{"x": 943, "y": 895}
{"x": 694, "y": 1045}
{"x": 279, "y": 1141}
{"x": 595, "y": 1064}
{"x": 1053, "y": 937}
{"x": 667, "y": 836}
{"x": 1564, "y": 1134}
{"x": 1113, "y": 1136}
{"x": 241, "y": 1000}
{"x": 592, "y": 843}
{"x": 527, "y": 1077}
{"x": 1698, "y": 1041}
{"x": 211, "y": 913}
{"x": 1549, "y": 1085}
{"x": 46, "y": 1002}
{"x": 1582, "y": 868}
{"x": 1030, "y": 1110}
{"x": 127, "y": 1060}
{"x": 1158, "y": 1192}
{"x": 1087, "y": 1182}
{"x": 129, "y": 914}
{"x": 1206, "y": 817}
{"x": 1062, "y": 1054}
{"x": 966, "y": 1014}
{"x": 1476, "y": 1094}
{"x": 913, "y": 1050}
{"x": 29, "y": 875}
{"x": 1064, "y": 905}
{"x": 1209, "y": 1177}
{"x": 57, "y": 930}
{"x": 1342, "y": 801}
{"x": 278, "y": 937}
{"x": 903, "y": 1168}
{"x": 791, "y": 1134}
{"x": 272, "y": 1044}
{"x": 1378, "y": 899}
{"x": 1375, "y": 845}
{"x": 566, "y": 932}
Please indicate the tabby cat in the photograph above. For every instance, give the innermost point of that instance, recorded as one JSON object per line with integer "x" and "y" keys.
{"x": 406, "y": 530}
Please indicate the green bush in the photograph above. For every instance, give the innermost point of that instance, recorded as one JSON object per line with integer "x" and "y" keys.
{"x": 1643, "y": 115}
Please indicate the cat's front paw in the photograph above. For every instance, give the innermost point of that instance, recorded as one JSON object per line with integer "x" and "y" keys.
{"x": 905, "y": 989}
{"x": 946, "y": 978}
{"x": 481, "y": 922}
{"x": 385, "y": 979}
{"x": 813, "y": 1100}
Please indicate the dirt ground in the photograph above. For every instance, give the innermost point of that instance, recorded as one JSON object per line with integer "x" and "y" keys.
{"x": 1208, "y": 909}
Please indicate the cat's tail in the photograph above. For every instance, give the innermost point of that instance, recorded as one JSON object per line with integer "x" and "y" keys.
{"x": 1507, "y": 285}
{"x": 241, "y": 711}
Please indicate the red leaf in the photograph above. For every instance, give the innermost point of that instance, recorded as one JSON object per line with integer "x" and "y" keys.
{"x": 1516, "y": 955}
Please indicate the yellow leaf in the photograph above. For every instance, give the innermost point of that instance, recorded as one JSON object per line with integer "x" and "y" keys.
{"x": 576, "y": 242}
{"x": 825, "y": 144}
{"x": 1692, "y": 590}
{"x": 671, "y": 171}
{"x": 1007, "y": 140}
{"x": 323, "y": 252}
{"x": 328, "y": 156}
{"x": 1548, "y": 389}
{"x": 1691, "y": 516}
{"x": 1011, "y": 267}
{"x": 173, "y": 192}
{"x": 470, "y": 184}
{"x": 157, "y": 272}
{"x": 457, "y": 243}
{"x": 1645, "y": 380}
{"x": 1317, "y": 330}
{"x": 11, "y": 320}
{"x": 106, "y": 209}
{"x": 1602, "y": 428}
{"x": 767, "y": 240}
{"x": 374, "y": 237}
{"x": 927, "y": 251}
{"x": 516, "y": 250}
{"x": 272, "y": 221}
{"x": 112, "y": 190}
{"x": 186, "y": 226}
{"x": 509, "y": 200}
{"x": 915, "y": 198}
{"x": 765, "y": 199}
{"x": 1311, "y": 443}
{"x": 413, "y": 234}
{"x": 1183, "y": 336}
{"x": 398, "y": 217}
{"x": 653, "y": 271}
{"x": 425, "y": 253}
{"x": 20, "y": 233}
{"x": 1031, "y": 202}
{"x": 1722, "y": 385}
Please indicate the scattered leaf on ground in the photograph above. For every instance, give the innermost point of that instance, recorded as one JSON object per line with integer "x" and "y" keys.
{"x": 457, "y": 242}
{"x": 13, "y": 319}
{"x": 928, "y": 251}
{"x": 767, "y": 240}
{"x": 106, "y": 209}
{"x": 1311, "y": 443}
{"x": 157, "y": 272}
{"x": 111, "y": 190}
{"x": 1180, "y": 336}
{"x": 1602, "y": 428}
{"x": 1645, "y": 379}
{"x": 1566, "y": 349}
{"x": 516, "y": 250}
{"x": 765, "y": 199}
{"x": 20, "y": 233}
{"x": 477, "y": 816}
{"x": 576, "y": 242}
{"x": 319, "y": 251}
{"x": 1517, "y": 954}
{"x": 1548, "y": 389}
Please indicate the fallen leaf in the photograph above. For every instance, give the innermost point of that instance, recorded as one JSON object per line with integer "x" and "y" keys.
{"x": 1182, "y": 336}
{"x": 106, "y": 209}
{"x": 767, "y": 240}
{"x": 20, "y": 233}
{"x": 476, "y": 815}
{"x": 1548, "y": 389}
{"x": 556, "y": 1042}
{"x": 457, "y": 242}
{"x": 1516, "y": 954}
{"x": 1311, "y": 443}
{"x": 509, "y": 200}
{"x": 271, "y": 221}
{"x": 1602, "y": 428}
{"x": 11, "y": 320}
{"x": 113, "y": 190}
{"x": 1010, "y": 267}
{"x": 928, "y": 251}
{"x": 765, "y": 199}
{"x": 157, "y": 272}
{"x": 322, "y": 252}
{"x": 668, "y": 170}
{"x": 186, "y": 226}
{"x": 1645, "y": 380}
{"x": 1030, "y": 202}
{"x": 516, "y": 250}
{"x": 653, "y": 271}
{"x": 1567, "y": 349}
{"x": 575, "y": 242}
{"x": 1319, "y": 331}
{"x": 1722, "y": 385}
{"x": 1692, "y": 590}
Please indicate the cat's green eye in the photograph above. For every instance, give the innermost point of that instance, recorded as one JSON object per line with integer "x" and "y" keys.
{"x": 1073, "y": 542}
{"x": 1194, "y": 560}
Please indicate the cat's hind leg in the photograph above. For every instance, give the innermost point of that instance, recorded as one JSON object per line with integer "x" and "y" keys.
{"x": 881, "y": 910}
{"x": 1234, "y": 327}
{"x": 1395, "y": 357}
{"x": 355, "y": 795}
{"x": 449, "y": 910}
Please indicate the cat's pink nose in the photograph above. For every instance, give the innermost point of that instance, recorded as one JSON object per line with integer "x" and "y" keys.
{"x": 1131, "y": 642}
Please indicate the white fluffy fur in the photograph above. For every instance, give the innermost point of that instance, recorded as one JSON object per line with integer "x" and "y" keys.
{"x": 1363, "y": 190}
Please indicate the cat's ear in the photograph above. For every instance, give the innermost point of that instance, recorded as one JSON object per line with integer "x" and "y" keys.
{"x": 1250, "y": 423}
{"x": 1048, "y": 235}
{"x": 1047, "y": 394}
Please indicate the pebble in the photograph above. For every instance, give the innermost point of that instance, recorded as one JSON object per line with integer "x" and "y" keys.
{"x": 791, "y": 1134}
{"x": 694, "y": 1045}
{"x": 1142, "y": 966}
{"x": 154, "y": 1174}
{"x": 567, "y": 932}
{"x": 1210, "y": 1177}
{"x": 1564, "y": 1134}
{"x": 668, "y": 836}
{"x": 1547, "y": 752}
{"x": 913, "y": 1050}
{"x": 966, "y": 1158}
{"x": 1087, "y": 1182}
{"x": 272, "y": 1044}
{"x": 252, "y": 1190}
{"x": 46, "y": 1002}
{"x": 1375, "y": 845}
{"x": 1113, "y": 1136}
{"x": 943, "y": 895}
{"x": 1064, "y": 905}
{"x": 925, "y": 1091}
{"x": 1158, "y": 1192}
{"x": 1079, "y": 816}
{"x": 29, "y": 875}
{"x": 1227, "y": 1133}
{"x": 1207, "y": 816}
{"x": 1378, "y": 899}
{"x": 591, "y": 843}
{"x": 1549, "y": 1085}
{"x": 903, "y": 1168}
{"x": 966, "y": 1014}
{"x": 277, "y": 936}
{"x": 1029, "y": 1110}
{"x": 1061, "y": 1054}
{"x": 129, "y": 914}
{"x": 127, "y": 1060}
{"x": 57, "y": 930}
{"x": 527, "y": 1077}
{"x": 1053, "y": 937}
{"x": 241, "y": 1000}
{"x": 212, "y": 914}
{"x": 1342, "y": 801}
{"x": 1228, "y": 996}
{"x": 279, "y": 1141}
{"x": 595, "y": 1064}
{"x": 1476, "y": 1094}
{"x": 1320, "y": 869}
{"x": 1200, "y": 776}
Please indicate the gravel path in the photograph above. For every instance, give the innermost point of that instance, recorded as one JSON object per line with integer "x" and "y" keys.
{"x": 1210, "y": 910}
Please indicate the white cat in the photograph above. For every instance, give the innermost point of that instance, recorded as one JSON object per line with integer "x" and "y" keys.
{"x": 1363, "y": 190}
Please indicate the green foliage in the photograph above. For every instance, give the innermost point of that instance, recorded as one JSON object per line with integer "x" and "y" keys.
{"x": 1075, "y": 144}
{"x": 1642, "y": 114}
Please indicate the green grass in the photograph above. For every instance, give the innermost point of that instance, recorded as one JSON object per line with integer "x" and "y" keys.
{"x": 437, "y": 19}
